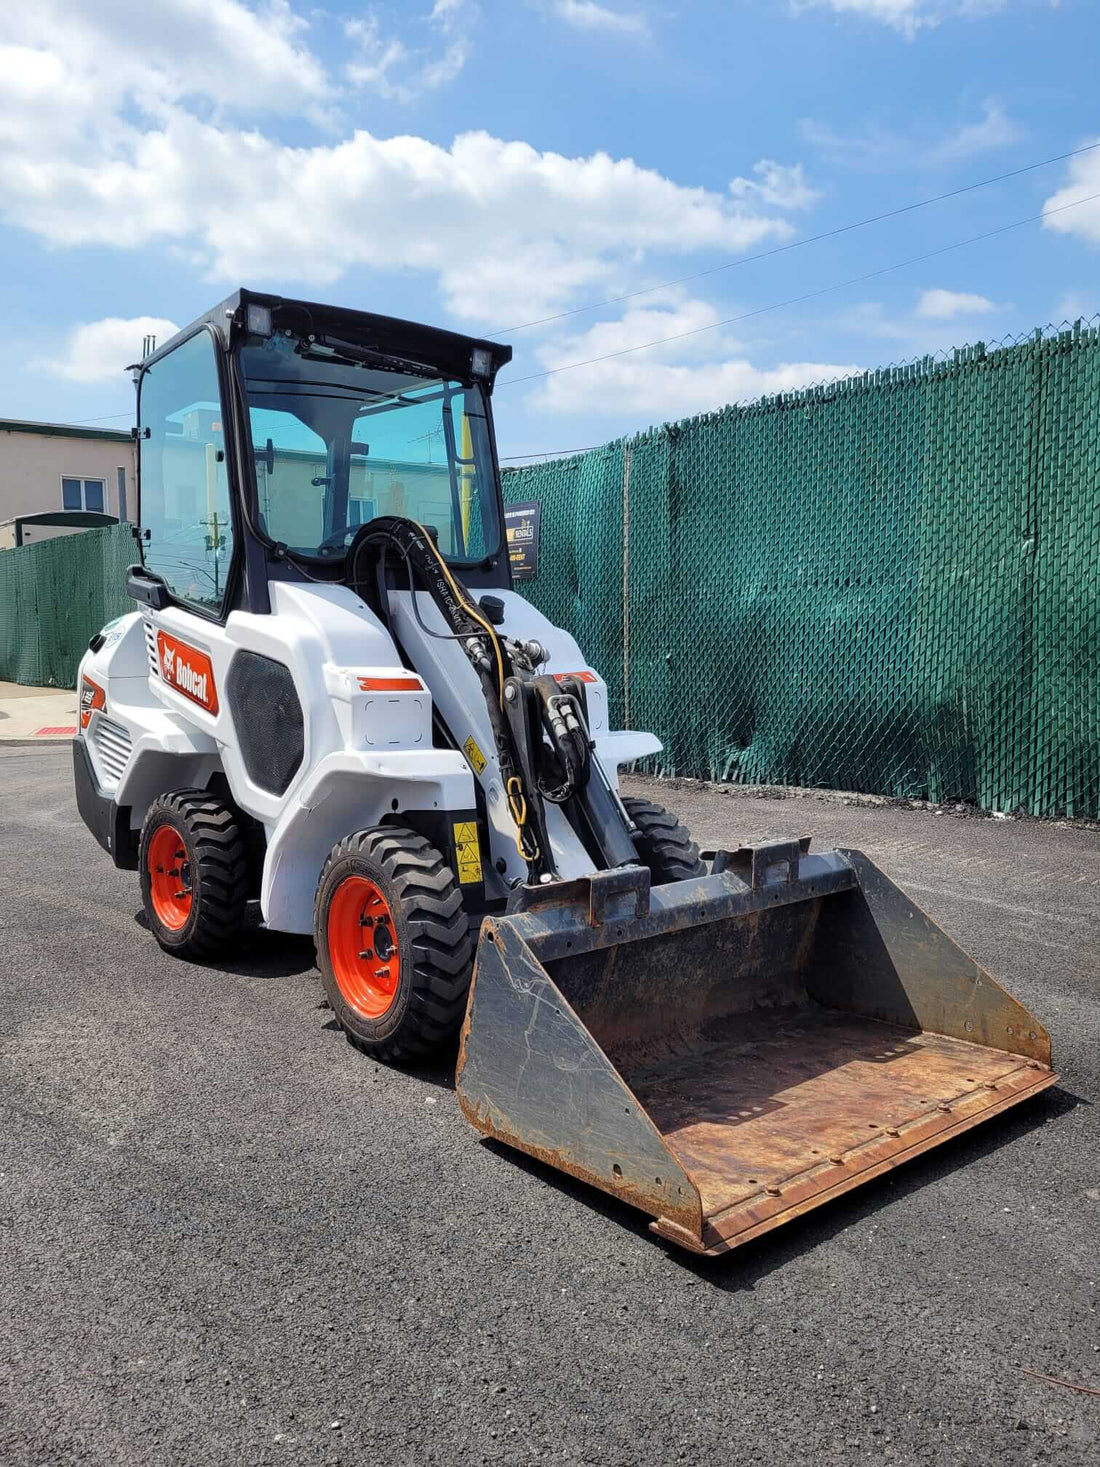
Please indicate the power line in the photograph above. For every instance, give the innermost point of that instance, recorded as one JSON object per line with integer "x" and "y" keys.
{"x": 798, "y": 299}
{"x": 507, "y": 458}
{"x": 78, "y": 422}
{"x": 796, "y": 244}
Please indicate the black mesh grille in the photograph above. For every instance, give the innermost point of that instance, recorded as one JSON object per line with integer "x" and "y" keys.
{"x": 268, "y": 719}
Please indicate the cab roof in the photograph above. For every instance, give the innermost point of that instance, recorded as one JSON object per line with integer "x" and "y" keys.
{"x": 449, "y": 351}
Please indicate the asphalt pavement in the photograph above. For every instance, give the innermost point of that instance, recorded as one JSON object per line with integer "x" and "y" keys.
{"x": 227, "y": 1237}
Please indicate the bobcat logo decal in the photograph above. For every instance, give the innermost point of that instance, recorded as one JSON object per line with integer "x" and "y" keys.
{"x": 187, "y": 670}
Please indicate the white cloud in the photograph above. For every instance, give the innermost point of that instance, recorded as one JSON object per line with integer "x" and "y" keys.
{"x": 399, "y": 73}
{"x": 1083, "y": 180}
{"x": 995, "y": 130}
{"x": 919, "y": 329}
{"x": 937, "y": 321}
{"x": 879, "y": 149}
{"x": 674, "y": 380}
{"x": 80, "y": 60}
{"x": 99, "y": 351}
{"x": 587, "y": 15}
{"x": 907, "y": 16}
{"x": 1076, "y": 305}
{"x": 107, "y": 143}
{"x": 784, "y": 187}
{"x": 946, "y": 305}
{"x": 378, "y": 56}
{"x": 445, "y": 68}
{"x": 507, "y": 229}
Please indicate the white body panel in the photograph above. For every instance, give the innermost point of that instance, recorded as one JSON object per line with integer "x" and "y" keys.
{"x": 367, "y": 751}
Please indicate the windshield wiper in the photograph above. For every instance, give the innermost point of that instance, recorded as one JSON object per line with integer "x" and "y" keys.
{"x": 332, "y": 347}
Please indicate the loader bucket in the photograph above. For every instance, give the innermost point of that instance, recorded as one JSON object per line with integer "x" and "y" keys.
{"x": 728, "y": 1052}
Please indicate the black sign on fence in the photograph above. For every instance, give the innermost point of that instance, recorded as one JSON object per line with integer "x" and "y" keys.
{"x": 521, "y": 524}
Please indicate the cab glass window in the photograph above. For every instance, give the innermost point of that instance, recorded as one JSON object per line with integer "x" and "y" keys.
{"x": 338, "y": 442}
{"x": 184, "y": 479}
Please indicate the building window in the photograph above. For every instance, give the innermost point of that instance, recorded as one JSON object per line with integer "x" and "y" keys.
{"x": 84, "y": 494}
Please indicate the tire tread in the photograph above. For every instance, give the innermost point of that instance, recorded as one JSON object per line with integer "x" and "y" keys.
{"x": 220, "y": 870}
{"x": 439, "y": 952}
{"x": 664, "y": 845}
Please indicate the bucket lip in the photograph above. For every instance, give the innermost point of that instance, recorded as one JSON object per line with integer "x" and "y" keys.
{"x": 730, "y": 1227}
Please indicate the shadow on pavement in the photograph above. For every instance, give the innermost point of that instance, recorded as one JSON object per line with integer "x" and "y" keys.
{"x": 434, "y": 1069}
{"x": 740, "y": 1270}
{"x": 259, "y": 953}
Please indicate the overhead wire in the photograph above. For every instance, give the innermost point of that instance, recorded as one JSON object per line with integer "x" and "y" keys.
{"x": 798, "y": 244}
{"x": 507, "y": 458}
{"x": 797, "y": 299}
{"x": 106, "y": 418}
{"x": 742, "y": 260}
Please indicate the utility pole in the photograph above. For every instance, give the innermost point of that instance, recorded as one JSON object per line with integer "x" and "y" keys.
{"x": 215, "y": 543}
{"x": 426, "y": 439}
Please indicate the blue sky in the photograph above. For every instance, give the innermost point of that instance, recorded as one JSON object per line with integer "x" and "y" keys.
{"x": 484, "y": 163}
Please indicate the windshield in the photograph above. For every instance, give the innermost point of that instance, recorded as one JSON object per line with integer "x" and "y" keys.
{"x": 337, "y": 443}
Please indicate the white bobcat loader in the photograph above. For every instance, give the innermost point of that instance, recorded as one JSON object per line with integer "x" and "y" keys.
{"x": 330, "y": 699}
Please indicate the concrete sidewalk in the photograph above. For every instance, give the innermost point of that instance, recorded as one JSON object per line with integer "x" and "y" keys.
{"x": 41, "y": 715}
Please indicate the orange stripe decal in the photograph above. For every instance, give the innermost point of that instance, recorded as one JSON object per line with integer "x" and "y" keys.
{"x": 391, "y": 685}
{"x": 92, "y": 697}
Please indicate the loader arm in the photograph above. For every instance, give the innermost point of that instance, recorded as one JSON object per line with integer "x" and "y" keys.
{"x": 542, "y": 740}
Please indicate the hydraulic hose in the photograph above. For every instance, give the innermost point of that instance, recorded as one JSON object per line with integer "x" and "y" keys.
{"x": 410, "y": 542}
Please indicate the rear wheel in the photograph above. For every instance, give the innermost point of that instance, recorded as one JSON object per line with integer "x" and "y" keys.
{"x": 194, "y": 873}
{"x": 664, "y": 845}
{"x": 393, "y": 942}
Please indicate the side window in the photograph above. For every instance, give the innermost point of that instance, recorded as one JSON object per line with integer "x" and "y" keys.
{"x": 184, "y": 475}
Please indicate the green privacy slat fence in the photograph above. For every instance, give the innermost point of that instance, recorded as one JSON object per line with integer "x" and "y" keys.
{"x": 56, "y": 594}
{"x": 890, "y": 584}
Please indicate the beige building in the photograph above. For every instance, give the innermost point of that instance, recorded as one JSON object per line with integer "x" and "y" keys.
{"x": 49, "y": 467}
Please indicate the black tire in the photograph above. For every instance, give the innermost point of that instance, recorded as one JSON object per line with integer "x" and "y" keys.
{"x": 425, "y": 927}
{"x": 214, "y": 874}
{"x": 664, "y": 845}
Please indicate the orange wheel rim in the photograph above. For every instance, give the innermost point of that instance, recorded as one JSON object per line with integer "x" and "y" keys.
{"x": 362, "y": 947}
{"x": 170, "y": 889}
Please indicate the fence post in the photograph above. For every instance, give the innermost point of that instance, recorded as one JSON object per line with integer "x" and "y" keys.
{"x": 626, "y": 587}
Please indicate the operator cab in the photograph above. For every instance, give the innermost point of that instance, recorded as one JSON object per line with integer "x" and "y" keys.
{"x": 271, "y": 430}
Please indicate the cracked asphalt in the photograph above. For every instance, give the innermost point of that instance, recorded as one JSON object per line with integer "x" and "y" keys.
{"x": 227, "y": 1237}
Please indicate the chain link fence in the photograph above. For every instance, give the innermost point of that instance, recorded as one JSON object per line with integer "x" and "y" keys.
{"x": 55, "y": 595}
{"x": 888, "y": 584}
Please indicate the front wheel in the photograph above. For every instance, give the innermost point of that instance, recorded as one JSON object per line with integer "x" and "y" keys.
{"x": 664, "y": 845}
{"x": 393, "y": 942}
{"x": 194, "y": 874}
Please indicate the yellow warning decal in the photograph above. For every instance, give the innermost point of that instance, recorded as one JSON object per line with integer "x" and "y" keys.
{"x": 475, "y": 756}
{"x": 467, "y": 852}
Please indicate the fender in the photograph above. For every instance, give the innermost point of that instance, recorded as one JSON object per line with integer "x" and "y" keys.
{"x": 348, "y": 791}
